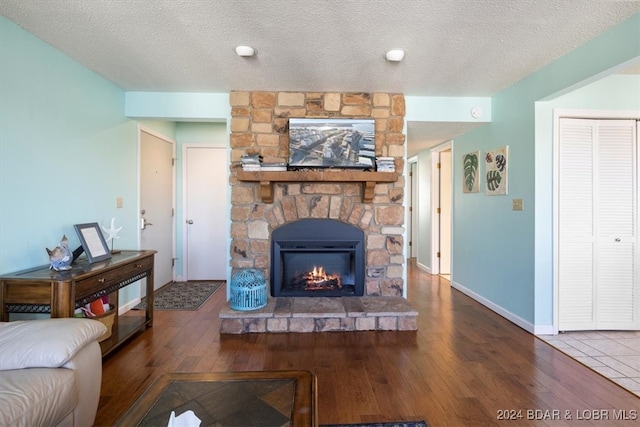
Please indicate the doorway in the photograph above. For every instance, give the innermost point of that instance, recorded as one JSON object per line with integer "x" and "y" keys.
{"x": 412, "y": 230}
{"x": 157, "y": 202}
{"x": 441, "y": 245}
{"x": 205, "y": 172}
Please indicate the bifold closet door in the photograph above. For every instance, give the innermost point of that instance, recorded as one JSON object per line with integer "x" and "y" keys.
{"x": 597, "y": 225}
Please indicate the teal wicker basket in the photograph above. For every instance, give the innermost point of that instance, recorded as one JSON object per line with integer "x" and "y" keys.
{"x": 248, "y": 290}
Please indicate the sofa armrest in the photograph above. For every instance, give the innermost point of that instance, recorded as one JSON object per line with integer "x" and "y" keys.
{"x": 48, "y": 343}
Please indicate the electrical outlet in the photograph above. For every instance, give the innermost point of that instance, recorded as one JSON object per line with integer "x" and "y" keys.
{"x": 118, "y": 202}
{"x": 518, "y": 205}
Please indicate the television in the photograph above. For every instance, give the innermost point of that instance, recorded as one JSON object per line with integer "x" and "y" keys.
{"x": 331, "y": 143}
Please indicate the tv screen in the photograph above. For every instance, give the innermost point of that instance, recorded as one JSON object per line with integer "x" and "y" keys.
{"x": 327, "y": 143}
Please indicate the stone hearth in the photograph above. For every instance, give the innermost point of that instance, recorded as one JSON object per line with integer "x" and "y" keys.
{"x": 322, "y": 314}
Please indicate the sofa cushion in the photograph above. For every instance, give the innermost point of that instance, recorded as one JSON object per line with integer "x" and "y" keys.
{"x": 36, "y": 397}
{"x": 48, "y": 343}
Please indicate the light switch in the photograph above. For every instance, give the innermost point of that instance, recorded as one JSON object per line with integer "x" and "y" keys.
{"x": 118, "y": 202}
{"x": 518, "y": 204}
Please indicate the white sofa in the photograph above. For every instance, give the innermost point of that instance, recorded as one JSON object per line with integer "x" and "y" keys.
{"x": 50, "y": 372}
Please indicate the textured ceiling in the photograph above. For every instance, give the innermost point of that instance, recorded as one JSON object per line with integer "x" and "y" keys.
{"x": 453, "y": 47}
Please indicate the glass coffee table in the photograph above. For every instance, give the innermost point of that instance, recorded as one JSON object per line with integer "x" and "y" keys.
{"x": 270, "y": 398}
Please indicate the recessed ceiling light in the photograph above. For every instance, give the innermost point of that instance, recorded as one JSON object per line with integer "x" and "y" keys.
{"x": 395, "y": 55}
{"x": 245, "y": 51}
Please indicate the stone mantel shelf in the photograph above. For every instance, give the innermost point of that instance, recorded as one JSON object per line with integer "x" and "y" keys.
{"x": 266, "y": 180}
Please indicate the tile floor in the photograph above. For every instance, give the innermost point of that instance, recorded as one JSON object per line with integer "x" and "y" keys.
{"x": 614, "y": 354}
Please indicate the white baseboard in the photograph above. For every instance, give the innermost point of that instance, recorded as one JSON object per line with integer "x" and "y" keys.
{"x": 423, "y": 267}
{"x": 513, "y": 318}
{"x": 128, "y": 306}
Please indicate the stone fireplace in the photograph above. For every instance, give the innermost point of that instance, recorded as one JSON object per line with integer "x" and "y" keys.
{"x": 368, "y": 203}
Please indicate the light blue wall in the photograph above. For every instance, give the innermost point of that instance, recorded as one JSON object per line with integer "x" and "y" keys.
{"x": 162, "y": 127}
{"x": 446, "y": 109}
{"x": 178, "y": 106}
{"x": 66, "y": 152}
{"x": 616, "y": 92}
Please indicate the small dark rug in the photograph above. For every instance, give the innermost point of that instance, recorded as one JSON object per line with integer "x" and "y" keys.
{"x": 182, "y": 295}
{"x": 396, "y": 424}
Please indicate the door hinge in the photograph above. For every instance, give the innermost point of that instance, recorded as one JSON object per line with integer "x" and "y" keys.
{"x": 173, "y": 262}
{"x": 438, "y": 255}
{"x": 437, "y": 210}
{"x": 173, "y": 212}
{"x": 173, "y": 162}
{"x": 410, "y": 173}
{"x": 438, "y": 165}
{"x": 410, "y": 243}
{"x": 410, "y": 208}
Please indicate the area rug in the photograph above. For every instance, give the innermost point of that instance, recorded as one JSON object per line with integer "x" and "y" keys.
{"x": 182, "y": 295}
{"x": 395, "y": 424}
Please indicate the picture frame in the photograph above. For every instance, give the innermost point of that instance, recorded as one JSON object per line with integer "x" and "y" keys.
{"x": 497, "y": 171}
{"x": 93, "y": 241}
{"x": 332, "y": 143}
{"x": 471, "y": 172}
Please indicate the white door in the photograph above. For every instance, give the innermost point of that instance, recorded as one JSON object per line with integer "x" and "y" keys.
{"x": 445, "y": 212}
{"x": 156, "y": 203}
{"x": 205, "y": 182}
{"x": 412, "y": 230}
{"x": 598, "y": 196}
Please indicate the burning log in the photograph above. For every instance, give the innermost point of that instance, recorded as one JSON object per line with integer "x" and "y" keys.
{"x": 317, "y": 280}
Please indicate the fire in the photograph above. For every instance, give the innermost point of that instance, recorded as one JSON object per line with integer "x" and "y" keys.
{"x": 318, "y": 278}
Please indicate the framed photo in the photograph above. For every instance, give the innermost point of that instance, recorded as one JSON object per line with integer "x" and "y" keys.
{"x": 471, "y": 170}
{"x": 93, "y": 241}
{"x": 497, "y": 171}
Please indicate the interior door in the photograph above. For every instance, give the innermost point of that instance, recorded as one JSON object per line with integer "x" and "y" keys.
{"x": 156, "y": 203}
{"x": 597, "y": 221}
{"x": 615, "y": 148}
{"x": 412, "y": 230}
{"x": 205, "y": 176}
{"x": 445, "y": 212}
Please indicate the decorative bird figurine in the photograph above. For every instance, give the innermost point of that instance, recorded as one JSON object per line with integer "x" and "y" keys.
{"x": 61, "y": 256}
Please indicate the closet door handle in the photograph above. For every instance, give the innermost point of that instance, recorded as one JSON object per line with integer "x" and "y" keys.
{"x": 617, "y": 239}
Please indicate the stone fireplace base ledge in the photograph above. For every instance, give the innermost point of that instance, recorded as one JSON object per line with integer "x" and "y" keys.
{"x": 322, "y": 314}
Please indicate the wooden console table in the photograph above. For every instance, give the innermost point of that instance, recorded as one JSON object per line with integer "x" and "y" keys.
{"x": 59, "y": 293}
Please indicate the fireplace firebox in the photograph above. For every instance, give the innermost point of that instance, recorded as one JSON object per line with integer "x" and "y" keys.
{"x": 317, "y": 257}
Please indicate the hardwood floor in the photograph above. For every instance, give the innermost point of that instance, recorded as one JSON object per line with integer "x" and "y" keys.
{"x": 464, "y": 366}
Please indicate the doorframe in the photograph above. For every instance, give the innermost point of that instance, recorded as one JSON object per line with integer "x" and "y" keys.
{"x": 435, "y": 198}
{"x": 145, "y": 129}
{"x": 589, "y": 115}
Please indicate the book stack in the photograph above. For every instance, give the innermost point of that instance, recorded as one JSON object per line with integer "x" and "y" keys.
{"x": 385, "y": 164}
{"x": 273, "y": 166}
{"x": 251, "y": 162}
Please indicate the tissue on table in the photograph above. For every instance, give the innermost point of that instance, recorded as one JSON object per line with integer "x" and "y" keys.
{"x": 186, "y": 419}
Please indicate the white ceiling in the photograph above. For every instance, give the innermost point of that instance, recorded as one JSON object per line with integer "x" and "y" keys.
{"x": 453, "y": 47}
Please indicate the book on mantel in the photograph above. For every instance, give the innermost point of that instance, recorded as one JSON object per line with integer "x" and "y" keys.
{"x": 273, "y": 166}
{"x": 385, "y": 164}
